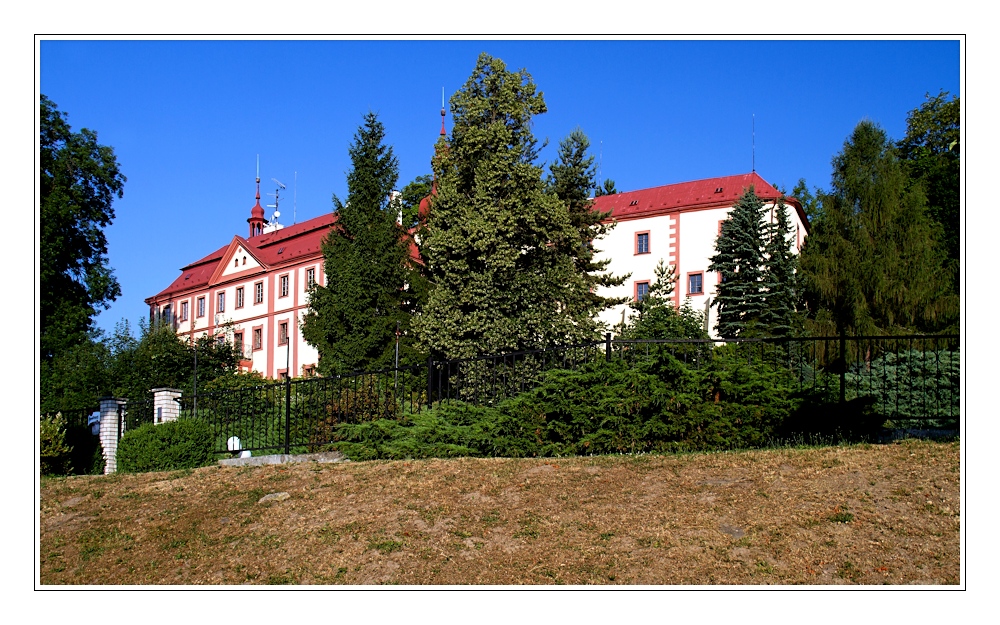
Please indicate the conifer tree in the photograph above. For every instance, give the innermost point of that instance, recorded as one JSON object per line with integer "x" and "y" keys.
{"x": 353, "y": 318}
{"x": 873, "y": 262}
{"x": 739, "y": 260}
{"x": 495, "y": 240}
{"x": 657, "y": 317}
{"x": 571, "y": 179}
{"x": 779, "y": 275}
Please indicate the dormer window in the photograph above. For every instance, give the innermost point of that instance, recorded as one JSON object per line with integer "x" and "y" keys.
{"x": 718, "y": 189}
{"x": 633, "y": 203}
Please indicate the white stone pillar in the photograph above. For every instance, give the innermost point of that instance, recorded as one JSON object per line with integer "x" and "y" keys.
{"x": 165, "y": 405}
{"x": 109, "y": 433}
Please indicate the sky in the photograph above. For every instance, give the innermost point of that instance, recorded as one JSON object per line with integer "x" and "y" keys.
{"x": 188, "y": 119}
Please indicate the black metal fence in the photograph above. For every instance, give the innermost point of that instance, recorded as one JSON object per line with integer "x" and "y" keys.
{"x": 910, "y": 382}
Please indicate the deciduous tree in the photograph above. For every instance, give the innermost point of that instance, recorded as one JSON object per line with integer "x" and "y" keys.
{"x": 873, "y": 262}
{"x": 78, "y": 182}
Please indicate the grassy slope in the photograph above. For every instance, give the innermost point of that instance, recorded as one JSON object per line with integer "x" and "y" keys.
{"x": 847, "y": 515}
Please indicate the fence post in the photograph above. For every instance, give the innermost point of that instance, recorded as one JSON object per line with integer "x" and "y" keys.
{"x": 430, "y": 378}
{"x": 288, "y": 412}
{"x": 110, "y": 431}
{"x": 843, "y": 369}
{"x": 165, "y": 405}
{"x": 607, "y": 346}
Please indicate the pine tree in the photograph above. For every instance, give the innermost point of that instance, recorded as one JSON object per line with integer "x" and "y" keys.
{"x": 571, "y": 180}
{"x": 353, "y": 318}
{"x": 739, "y": 259}
{"x": 779, "y": 275}
{"x": 873, "y": 262}
{"x": 495, "y": 239}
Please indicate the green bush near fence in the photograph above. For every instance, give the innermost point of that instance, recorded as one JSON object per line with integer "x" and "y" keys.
{"x": 54, "y": 452}
{"x": 181, "y": 444}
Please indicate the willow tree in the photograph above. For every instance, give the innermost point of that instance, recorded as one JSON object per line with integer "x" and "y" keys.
{"x": 495, "y": 240}
{"x": 873, "y": 261}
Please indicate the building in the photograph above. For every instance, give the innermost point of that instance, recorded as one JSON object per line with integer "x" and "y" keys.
{"x": 252, "y": 292}
{"x": 678, "y": 223}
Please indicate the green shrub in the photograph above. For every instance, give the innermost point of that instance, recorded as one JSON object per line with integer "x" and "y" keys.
{"x": 54, "y": 452}
{"x": 181, "y": 444}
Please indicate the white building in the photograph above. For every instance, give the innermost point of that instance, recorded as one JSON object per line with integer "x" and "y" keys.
{"x": 252, "y": 292}
{"x": 678, "y": 223}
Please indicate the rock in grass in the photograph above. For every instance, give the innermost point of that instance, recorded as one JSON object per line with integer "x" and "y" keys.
{"x": 274, "y": 497}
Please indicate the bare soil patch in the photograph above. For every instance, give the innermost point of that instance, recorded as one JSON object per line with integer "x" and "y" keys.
{"x": 880, "y": 514}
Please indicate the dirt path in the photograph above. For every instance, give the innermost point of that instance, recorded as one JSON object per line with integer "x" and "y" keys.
{"x": 886, "y": 514}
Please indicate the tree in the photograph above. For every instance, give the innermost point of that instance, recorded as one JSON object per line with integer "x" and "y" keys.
{"x": 495, "y": 241}
{"x": 809, "y": 201}
{"x": 410, "y": 197}
{"x": 931, "y": 156}
{"x": 571, "y": 180}
{"x": 78, "y": 181}
{"x": 872, "y": 263}
{"x": 607, "y": 189}
{"x": 779, "y": 265}
{"x": 739, "y": 259}
{"x": 353, "y": 318}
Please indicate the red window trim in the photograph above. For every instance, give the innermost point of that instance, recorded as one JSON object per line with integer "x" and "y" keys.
{"x": 261, "y": 301}
{"x": 288, "y": 334}
{"x": 635, "y": 289}
{"x": 288, "y": 290}
{"x": 240, "y": 291}
{"x": 688, "y": 282}
{"x": 649, "y": 243}
{"x": 253, "y": 331}
{"x": 201, "y": 307}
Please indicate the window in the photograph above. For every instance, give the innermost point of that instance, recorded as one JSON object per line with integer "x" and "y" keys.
{"x": 284, "y": 285}
{"x": 310, "y": 277}
{"x": 238, "y": 341}
{"x": 236, "y": 262}
{"x": 222, "y": 302}
{"x": 201, "y": 306}
{"x": 184, "y": 311}
{"x": 239, "y": 297}
{"x": 642, "y": 243}
{"x": 258, "y": 342}
{"x": 641, "y": 290}
{"x": 258, "y": 292}
{"x": 308, "y": 371}
{"x": 282, "y": 333}
{"x": 695, "y": 284}
{"x": 166, "y": 313}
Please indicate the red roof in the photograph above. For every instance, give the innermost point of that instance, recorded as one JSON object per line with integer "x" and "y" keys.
{"x": 707, "y": 193}
{"x": 285, "y": 246}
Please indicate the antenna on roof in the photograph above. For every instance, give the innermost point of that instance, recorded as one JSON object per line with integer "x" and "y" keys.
{"x": 753, "y": 143}
{"x": 275, "y": 194}
{"x": 295, "y": 195}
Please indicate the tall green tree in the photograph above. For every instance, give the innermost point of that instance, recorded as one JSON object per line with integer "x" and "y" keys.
{"x": 779, "y": 277}
{"x": 873, "y": 262}
{"x": 78, "y": 182}
{"x": 740, "y": 246}
{"x": 353, "y": 318}
{"x": 571, "y": 179}
{"x": 931, "y": 156}
{"x": 495, "y": 241}
{"x": 608, "y": 188}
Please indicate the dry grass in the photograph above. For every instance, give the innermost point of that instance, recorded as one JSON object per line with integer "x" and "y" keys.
{"x": 885, "y": 514}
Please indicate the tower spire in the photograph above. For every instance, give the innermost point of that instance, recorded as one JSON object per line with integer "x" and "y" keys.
{"x": 257, "y": 220}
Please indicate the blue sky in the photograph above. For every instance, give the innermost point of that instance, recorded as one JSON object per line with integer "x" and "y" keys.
{"x": 187, "y": 119}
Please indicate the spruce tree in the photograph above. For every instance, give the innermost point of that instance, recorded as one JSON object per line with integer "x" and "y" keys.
{"x": 571, "y": 179}
{"x": 354, "y": 317}
{"x": 657, "y": 318}
{"x": 739, "y": 253}
{"x": 873, "y": 262}
{"x": 779, "y": 277}
{"x": 495, "y": 239}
